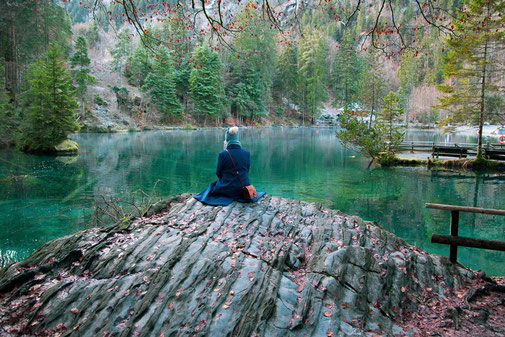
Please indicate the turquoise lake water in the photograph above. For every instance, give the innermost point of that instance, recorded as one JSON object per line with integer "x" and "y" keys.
{"x": 42, "y": 198}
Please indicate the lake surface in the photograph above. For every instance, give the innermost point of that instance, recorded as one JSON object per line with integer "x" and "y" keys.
{"x": 42, "y": 198}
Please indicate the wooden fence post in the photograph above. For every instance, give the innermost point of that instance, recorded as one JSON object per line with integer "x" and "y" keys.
{"x": 453, "y": 248}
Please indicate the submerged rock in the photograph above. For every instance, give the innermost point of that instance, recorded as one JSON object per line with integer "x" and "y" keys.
{"x": 279, "y": 267}
{"x": 66, "y": 147}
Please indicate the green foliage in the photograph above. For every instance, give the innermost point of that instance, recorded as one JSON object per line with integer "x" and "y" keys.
{"x": 392, "y": 133}
{"x": 8, "y": 119}
{"x": 495, "y": 105}
{"x": 121, "y": 50}
{"x": 79, "y": 63}
{"x": 77, "y": 12}
{"x": 138, "y": 65}
{"x": 93, "y": 33}
{"x": 287, "y": 82}
{"x": 355, "y": 134}
{"x": 346, "y": 73}
{"x": 378, "y": 141}
{"x": 472, "y": 63}
{"x": 182, "y": 72}
{"x": 26, "y": 29}
{"x": 312, "y": 71}
{"x": 408, "y": 73}
{"x": 206, "y": 83}
{"x": 51, "y": 104}
{"x": 386, "y": 159}
{"x": 161, "y": 86}
{"x": 245, "y": 94}
{"x": 99, "y": 100}
{"x": 251, "y": 67}
{"x": 373, "y": 87}
{"x": 121, "y": 94}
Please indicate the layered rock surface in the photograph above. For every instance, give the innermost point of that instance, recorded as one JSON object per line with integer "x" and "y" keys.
{"x": 279, "y": 267}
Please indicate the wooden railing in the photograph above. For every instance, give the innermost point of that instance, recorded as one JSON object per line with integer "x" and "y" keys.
{"x": 494, "y": 151}
{"x": 453, "y": 240}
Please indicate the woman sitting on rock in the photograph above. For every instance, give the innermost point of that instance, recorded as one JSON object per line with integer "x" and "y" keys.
{"x": 228, "y": 187}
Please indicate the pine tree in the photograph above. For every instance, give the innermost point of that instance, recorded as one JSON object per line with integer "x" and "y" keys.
{"x": 93, "y": 33}
{"x": 206, "y": 83}
{"x": 138, "y": 64}
{"x": 388, "y": 122}
{"x": 51, "y": 104}
{"x": 409, "y": 75}
{"x": 26, "y": 28}
{"x": 8, "y": 119}
{"x": 181, "y": 45}
{"x": 346, "y": 72}
{"x": 379, "y": 141}
{"x": 472, "y": 63}
{"x": 287, "y": 82}
{"x": 251, "y": 67}
{"x": 312, "y": 72}
{"x": 121, "y": 50}
{"x": 161, "y": 86}
{"x": 80, "y": 62}
{"x": 373, "y": 87}
{"x": 245, "y": 92}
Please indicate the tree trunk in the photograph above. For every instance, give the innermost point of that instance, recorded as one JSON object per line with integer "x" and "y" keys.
{"x": 482, "y": 100}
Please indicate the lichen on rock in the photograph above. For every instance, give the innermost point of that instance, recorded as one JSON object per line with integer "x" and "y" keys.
{"x": 67, "y": 146}
{"x": 279, "y": 267}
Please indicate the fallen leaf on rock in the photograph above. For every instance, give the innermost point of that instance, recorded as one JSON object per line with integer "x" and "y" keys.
{"x": 61, "y": 327}
{"x": 74, "y": 310}
{"x": 329, "y": 333}
{"x": 178, "y": 292}
{"x": 344, "y": 305}
{"x": 327, "y": 314}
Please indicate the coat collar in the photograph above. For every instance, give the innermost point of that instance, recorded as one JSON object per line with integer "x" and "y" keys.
{"x": 233, "y": 146}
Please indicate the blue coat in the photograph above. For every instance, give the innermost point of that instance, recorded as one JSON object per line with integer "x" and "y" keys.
{"x": 227, "y": 188}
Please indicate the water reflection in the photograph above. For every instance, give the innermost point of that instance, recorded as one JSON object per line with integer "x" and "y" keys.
{"x": 41, "y": 197}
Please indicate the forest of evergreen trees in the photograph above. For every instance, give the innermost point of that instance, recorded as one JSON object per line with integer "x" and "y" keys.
{"x": 256, "y": 73}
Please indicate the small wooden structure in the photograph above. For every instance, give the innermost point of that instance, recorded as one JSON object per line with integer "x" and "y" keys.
{"x": 494, "y": 151}
{"x": 453, "y": 240}
{"x": 449, "y": 151}
{"x": 496, "y": 154}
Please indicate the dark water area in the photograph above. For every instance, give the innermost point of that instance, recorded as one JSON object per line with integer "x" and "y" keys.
{"x": 42, "y": 197}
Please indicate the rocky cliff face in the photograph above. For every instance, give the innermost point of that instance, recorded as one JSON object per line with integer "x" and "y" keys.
{"x": 280, "y": 267}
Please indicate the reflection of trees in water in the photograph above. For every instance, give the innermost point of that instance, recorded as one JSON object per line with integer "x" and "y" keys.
{"x": 303, "y": 163}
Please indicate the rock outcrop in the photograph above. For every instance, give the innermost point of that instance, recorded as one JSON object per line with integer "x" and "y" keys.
{"x": 279, "y": 267}
{"x": 67, "y": 146}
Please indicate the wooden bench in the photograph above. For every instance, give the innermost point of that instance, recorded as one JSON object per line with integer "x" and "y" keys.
{"x": 496, "y": 154}
{"x": 449, "y": 151}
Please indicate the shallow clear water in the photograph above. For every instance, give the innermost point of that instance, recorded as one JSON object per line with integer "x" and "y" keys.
{"x": 42, "y": 198}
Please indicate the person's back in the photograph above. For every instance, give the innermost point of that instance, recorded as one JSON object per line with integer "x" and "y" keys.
{"x": 228, "y": 187}
{"x": 228, "y": 180}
